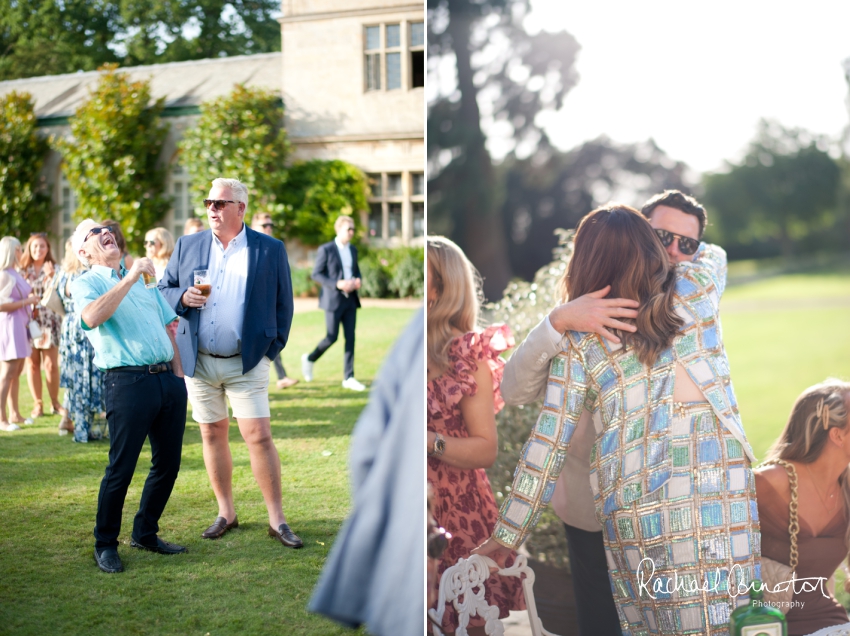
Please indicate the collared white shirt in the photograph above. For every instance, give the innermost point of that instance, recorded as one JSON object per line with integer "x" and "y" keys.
{"x": 220, "y": 326}
{"x": 347, "y": 260}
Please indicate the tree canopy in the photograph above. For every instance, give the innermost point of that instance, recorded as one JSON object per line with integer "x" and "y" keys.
{"x": 24, "y": 206}
{"x": 111, "y": 158}
{"x": 48, "y": 37}
{"x": 521, "y": 74}
{"x": 784, "y": 189}
{"x": 240, "y": 136}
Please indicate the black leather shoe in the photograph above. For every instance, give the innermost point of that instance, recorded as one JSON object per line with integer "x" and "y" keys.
{"x": 108, "y": 560}
{"x": 160, "y": 547}
{"x": 219, "y": 527}
{"x": 286, "y": 536}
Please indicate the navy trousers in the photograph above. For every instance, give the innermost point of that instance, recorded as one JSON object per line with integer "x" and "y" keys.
{"x": 597, "y": 614}
{"x": 140, "y": 405}
{"x": 345, "y": 315}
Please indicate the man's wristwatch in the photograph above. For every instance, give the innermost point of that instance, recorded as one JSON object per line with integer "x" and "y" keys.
{"x": 439, "y": 446}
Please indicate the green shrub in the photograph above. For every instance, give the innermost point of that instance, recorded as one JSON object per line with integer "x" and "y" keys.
{"x": 24, "y": 207}
{"x": 392, "y": 272}
{"x": 111, "y": 156}
{"x": 316, "y": 193}
{"x": 239, "y": 136}
{"x": 302, "y": 285}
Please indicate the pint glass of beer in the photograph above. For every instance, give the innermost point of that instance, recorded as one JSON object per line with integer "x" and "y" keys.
{"x": 201, "y": 278}
{"x": 150, "y": 280}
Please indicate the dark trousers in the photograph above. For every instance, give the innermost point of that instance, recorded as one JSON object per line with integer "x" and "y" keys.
{"x": 278, "y": 367}
{"x": 597, "y": 614}
{"x": 347, "y": 316}
{"x": 139, "y": 406}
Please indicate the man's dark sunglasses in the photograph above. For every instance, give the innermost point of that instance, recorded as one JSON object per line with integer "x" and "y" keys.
{"x": 97, "y": 230}
{"x": 438, "y": 541}
{"x": 219, "y": 204}
{"x": 267, "y": 225}
{"x": 687, "y": 245}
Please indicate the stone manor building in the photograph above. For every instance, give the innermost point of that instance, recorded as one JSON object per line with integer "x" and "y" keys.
{"x": 351, "y": 74}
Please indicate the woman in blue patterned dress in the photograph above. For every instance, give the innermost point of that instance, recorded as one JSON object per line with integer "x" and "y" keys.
{"x": 82, "y": 381}
{"x": 670, "y": 474}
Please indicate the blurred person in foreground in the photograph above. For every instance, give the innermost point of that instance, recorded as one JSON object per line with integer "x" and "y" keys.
{"x": 83, "y": 382}
{"x": 816, "y": 443}
{"x": 159, "y": 245}
{"x": 38, "y": 267}
{"x": 262, "y": 222}
{"x": 15, "y": 300}
{"x": 655, "y": 419}
{"x": 227, "y": 341}
{"x": 464, "y": 372}
{"x": 192, "y": 226}
{"x": 337, "y": 271}
{"x": 375, "y": 573}
{"x": 145, "y": 396}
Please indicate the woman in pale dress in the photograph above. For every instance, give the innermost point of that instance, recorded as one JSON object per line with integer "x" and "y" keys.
{"x": 38, "y": 268}
{"x": 15, "y": 299}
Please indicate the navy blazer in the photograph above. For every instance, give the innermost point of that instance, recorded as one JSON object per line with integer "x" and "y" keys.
{"x": 268, "y": 296}
{"x": 328, "y": 270}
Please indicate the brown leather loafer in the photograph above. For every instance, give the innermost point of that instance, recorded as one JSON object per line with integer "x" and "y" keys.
{"x": 219, "y": 527}
{"x": 286, "y": 536}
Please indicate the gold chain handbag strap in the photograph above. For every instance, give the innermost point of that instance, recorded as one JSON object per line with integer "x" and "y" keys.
{"x": 793, "y": 519}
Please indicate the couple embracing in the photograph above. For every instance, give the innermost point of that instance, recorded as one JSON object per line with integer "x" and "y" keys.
{"x": 639, "y": 445}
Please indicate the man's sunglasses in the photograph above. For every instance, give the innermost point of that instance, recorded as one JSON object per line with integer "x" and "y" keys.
{"x": 219, "y": 204}
{"x": 267, "y": 225}
{"x": 687, "y": 245}
{"x": 98, "y": 230}
{"x": 438, "y": 541}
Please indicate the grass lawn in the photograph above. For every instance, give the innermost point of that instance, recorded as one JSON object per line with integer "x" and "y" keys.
{"x": 244, "y": 583}
{"x": 776, "y": 352}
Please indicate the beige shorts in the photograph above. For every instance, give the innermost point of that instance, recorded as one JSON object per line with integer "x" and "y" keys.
{"x": 217, "y": 380}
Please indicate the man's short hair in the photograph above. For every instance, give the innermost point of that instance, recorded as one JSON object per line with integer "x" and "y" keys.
{"x": 260, "y": 218}
{"x": 239, "y": 189}
{"x": 343, "y": 218}
{"x": 79, "y": 237}
{"x": 682, "y": 202}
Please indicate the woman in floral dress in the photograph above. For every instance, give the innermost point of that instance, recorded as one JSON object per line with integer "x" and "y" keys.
{"x": 38, "y": 267}
{"x": 464, "y": 371}
{"x": 82, "y": 381}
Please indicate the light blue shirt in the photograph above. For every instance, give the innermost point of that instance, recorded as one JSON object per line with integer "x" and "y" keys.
{"x": 135, "y": 334}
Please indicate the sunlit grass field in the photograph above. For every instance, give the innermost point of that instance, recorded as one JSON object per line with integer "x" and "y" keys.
{"x": 244, "y": 583}
{"x": 782, "y": 335}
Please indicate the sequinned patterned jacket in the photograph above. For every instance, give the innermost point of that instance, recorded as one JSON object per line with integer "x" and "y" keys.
{"x": 632, "y": 407}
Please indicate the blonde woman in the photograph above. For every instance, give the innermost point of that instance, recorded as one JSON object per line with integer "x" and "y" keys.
{"x": 159, "y": 245}
{"x": 464, "y": 371}
{"x": 38, "y": 268}
{"x": 82, "y": 380}
{"x": 15, "y": 299}
{"x": 816, "y": 442}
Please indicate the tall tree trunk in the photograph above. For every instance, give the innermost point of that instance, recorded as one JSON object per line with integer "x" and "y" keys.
{"x": 478, "y": 228}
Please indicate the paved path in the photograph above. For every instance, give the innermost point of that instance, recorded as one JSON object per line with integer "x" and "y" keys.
{"x": 312, "y": 304}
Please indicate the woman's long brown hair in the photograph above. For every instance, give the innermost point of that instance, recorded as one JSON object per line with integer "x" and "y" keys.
{"x": 616, "y": 246}
{"x": 26, "y": 257}
{"x": 819, "y": 408}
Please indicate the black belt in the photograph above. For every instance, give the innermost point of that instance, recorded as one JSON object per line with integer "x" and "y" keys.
{"x": 212, "y": 355}
{"x": 160, "y": 367}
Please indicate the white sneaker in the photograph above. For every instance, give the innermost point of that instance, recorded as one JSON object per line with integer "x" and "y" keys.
{"x": 10, "y": 427}
{"x": 306, "y": 368}
{"x": 353, "y": 384}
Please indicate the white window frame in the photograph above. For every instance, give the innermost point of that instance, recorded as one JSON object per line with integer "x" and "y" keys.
{"x": 404, "y": 50}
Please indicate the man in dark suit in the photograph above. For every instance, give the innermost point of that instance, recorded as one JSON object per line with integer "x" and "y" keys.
{"x": 337, "y": 271}
{"x": 228, "y": 339}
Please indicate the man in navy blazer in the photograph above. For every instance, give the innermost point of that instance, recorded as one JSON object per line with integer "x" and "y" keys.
{"x": 337, "y": 271}
{"x": 229, "y": 338}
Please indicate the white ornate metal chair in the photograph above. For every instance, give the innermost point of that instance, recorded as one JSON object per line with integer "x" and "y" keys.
{"x": 462, "y": 585}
